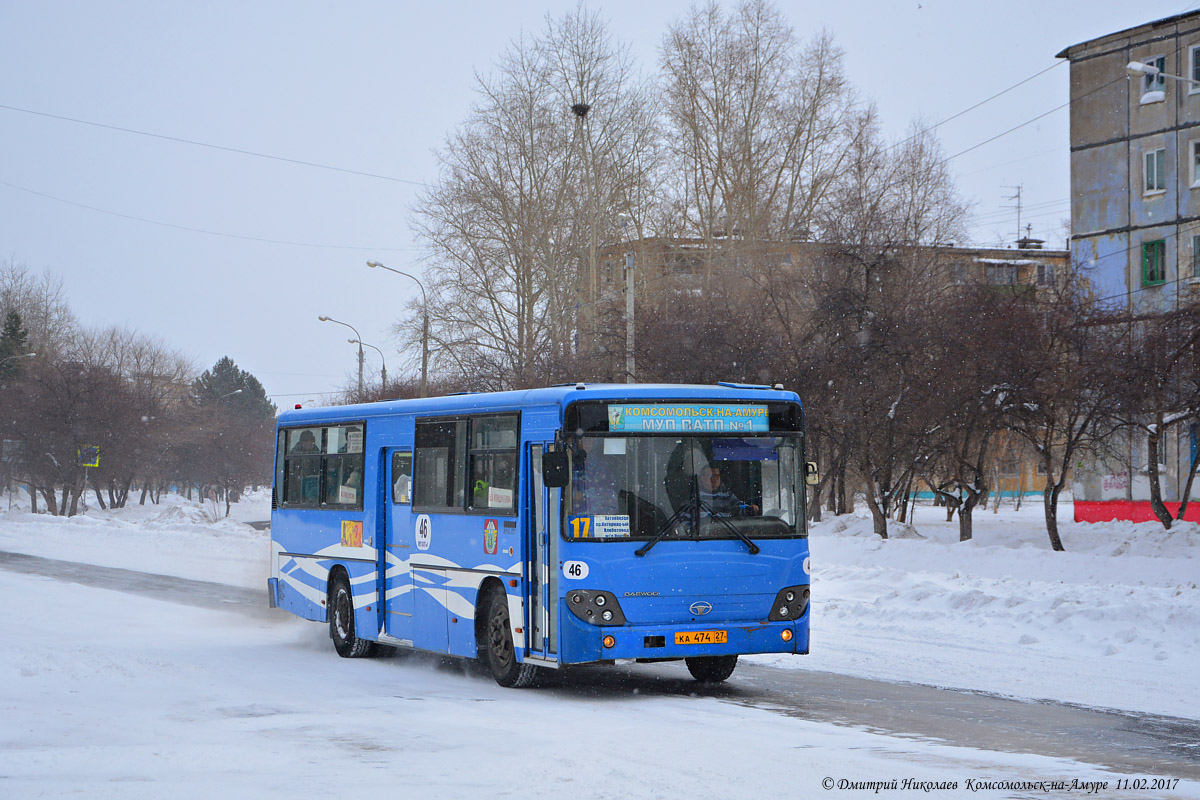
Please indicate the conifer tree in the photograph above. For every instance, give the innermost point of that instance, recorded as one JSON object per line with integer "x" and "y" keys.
{"x": 233, "y": 390}
{"x": 14, "y": 344}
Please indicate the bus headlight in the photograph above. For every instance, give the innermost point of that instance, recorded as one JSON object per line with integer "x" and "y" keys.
{"x": 790, "y": 603}
{"x": 595, "y": 607}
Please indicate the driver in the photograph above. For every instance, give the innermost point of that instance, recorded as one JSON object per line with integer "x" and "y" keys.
{"x": 715, "y": 495}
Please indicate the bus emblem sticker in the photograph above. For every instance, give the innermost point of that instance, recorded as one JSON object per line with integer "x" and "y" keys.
{"x": 424, "y": 532}
{"x": 575, "y": 570}
{"x": 351, "y": 533}
{"x": 491, "y": 536}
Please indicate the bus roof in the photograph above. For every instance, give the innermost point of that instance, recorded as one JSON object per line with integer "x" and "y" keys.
{"x": 561, "y": 396}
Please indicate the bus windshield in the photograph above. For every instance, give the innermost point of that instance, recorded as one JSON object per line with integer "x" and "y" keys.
{"x": 700, "y": 487}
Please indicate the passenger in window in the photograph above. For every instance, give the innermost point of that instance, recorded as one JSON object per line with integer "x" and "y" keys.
{"x": 717, "y": 499}
{"x": 593, "y": 485}
{"x": 307, "y": 443}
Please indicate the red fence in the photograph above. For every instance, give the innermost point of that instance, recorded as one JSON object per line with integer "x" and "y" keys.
{"x": 1131, "y": 511}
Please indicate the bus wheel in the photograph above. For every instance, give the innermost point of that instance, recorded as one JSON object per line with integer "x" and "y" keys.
{"x": 711, "y": 669}
{"x": 498, "y": 643}
{"x": 341, "y": 620}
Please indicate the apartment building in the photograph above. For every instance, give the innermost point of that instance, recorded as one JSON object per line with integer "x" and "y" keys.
{"x": 1135, "y": 216}
{"x": 1135, "y": 164}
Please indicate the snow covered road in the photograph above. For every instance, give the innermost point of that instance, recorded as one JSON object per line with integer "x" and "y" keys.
{"x": 649, "y": 696}
{"x": 182, "y": 683}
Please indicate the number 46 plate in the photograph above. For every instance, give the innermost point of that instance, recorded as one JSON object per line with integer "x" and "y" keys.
{"x": 701, "y": 637}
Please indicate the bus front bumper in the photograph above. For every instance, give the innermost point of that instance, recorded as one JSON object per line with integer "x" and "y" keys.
{"x": 582, "y": 643}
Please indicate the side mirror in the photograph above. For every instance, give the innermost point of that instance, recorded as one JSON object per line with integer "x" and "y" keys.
{"x": 811, "y": 476}
{"x": 556, "y": 469}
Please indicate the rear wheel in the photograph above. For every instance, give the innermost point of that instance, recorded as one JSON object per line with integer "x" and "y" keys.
{"x": 498, "y": 645}
{"x": 341, "y": 621}
{"x": 711, "y": 669}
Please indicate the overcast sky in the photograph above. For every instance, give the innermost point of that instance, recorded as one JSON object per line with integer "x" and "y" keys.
{"x": 374, "y": 88}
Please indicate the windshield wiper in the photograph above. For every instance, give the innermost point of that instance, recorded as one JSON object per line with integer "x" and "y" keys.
{"x": 696, "y": 505}
{"x": 662, "y": 531}
{"x": 754, "y": 549}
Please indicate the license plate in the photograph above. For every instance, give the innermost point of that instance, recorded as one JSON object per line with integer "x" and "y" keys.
{"x": 701, "y": 637}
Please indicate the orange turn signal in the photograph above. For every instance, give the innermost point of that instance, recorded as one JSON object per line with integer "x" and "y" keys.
{"x": 609, "y": 641}
{"x": 786, "y": 634}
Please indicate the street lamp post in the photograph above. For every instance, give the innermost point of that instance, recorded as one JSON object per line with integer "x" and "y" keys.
{"x": 383, "y": 370}
{"x": 1138, "y": 68}
{"x": 424, "y": 323}
{"x": 358, "y": 336}
{"x": 14, "y": 358}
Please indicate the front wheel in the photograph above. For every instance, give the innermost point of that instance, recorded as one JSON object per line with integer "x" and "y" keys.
{"x": 711, "y": 669}
{"x": 341, "y": 621}
{"x": 498, "y": 643}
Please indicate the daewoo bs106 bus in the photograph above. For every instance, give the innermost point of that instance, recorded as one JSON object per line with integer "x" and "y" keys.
{"x": 542, "y": 528}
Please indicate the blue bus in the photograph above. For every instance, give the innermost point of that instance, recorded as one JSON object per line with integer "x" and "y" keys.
{"x": 542, "y": 528}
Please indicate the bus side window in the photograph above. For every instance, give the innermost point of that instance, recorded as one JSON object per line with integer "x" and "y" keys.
{"x": 438, "y": 473}
{"x": 303, "y": 465}
{"x": 344, "y": 466}
{"x": 401, "y": 477}
{"x": 493, "y": 463}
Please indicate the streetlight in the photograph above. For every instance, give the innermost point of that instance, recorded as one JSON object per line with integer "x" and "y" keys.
{"x": 12, "y": 358}
{"x": 1138, "y": 68}
{"x": 383, "y": 372}
{"x": 424, "y": 324}
{"x": 357, "y": 335}
{"x": 229, "y": 394}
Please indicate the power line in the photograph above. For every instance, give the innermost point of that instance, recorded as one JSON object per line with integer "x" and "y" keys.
{"x": 1035, "y": 119}
{"x": 980, "y": 103}
{"x": 198, "y": 230}
{"x": 181, "y": 140}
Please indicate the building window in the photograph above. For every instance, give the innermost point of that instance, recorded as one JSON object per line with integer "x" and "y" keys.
{"x": 1045, "y": 274}
{"x": 1194, "y": 147}
{"x": 1155, "y": 83}
{"x": 1155, "y": 172}
{"x": 1001, "y": 274}
{"x": 1194, "y": 272}
{"x": 1154, "y": 263}
{"x": 1194, "y": 68}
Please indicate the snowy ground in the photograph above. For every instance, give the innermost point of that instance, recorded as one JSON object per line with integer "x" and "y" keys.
{"x": 1113, "y": 622}
{"x": 107, "y": 694}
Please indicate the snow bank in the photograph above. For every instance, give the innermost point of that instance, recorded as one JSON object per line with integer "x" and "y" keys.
{"x": 179, "y": 537}
{"x": 1113, "y": 622}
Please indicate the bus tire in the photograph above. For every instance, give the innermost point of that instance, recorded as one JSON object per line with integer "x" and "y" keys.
{"x": 341, "y": 620}
{"x": 711, "y": 669}
{"x": 499, "y": 652}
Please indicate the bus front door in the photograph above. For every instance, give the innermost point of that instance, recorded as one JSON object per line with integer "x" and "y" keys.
{"x": 399, "y": 539}
{"x": 542, "y": 568}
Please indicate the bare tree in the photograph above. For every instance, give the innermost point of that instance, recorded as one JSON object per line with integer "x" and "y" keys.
{"x": 1065, "y": 398}
{"x": 558, "y": 147}
{"x": 1161, "y": 391}
{"x": 758, "y": 121}
{"x": 871, "y": 290}
{"x": 40, "y": 300}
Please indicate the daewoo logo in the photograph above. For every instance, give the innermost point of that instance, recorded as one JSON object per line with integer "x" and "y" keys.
{"x": 700, "y": 608}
